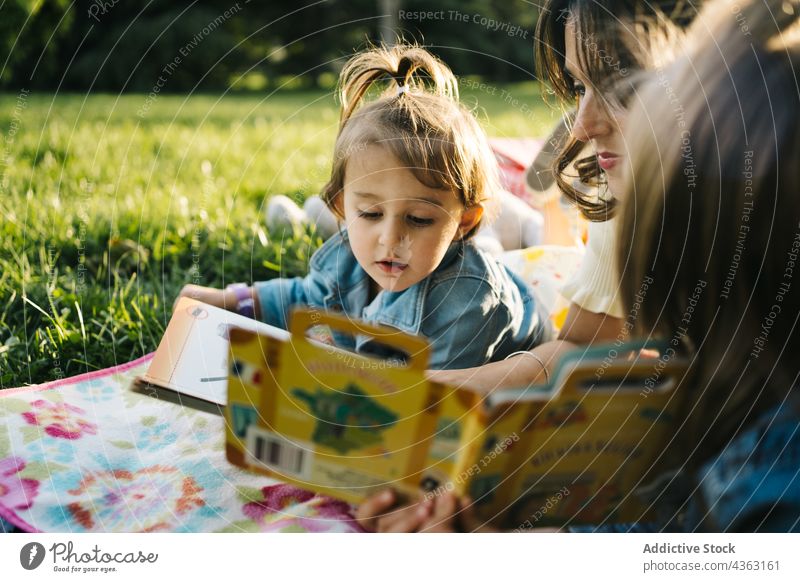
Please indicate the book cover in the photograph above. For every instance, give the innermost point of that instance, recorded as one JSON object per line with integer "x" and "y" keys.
{"x": 345, "y": 425}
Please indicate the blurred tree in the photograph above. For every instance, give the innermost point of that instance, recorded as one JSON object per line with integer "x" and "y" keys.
{"x": 111, "y": 45}
{"x": 492, "y": 39}
{"x": 31, "y": 35}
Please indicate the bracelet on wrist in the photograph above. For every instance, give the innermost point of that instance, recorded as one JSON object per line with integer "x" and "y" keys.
{"x": 535, "y": 357}
{"x": 245, "y": 304}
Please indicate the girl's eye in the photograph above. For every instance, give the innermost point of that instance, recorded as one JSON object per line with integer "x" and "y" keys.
{"x": 369, "y": 215}
{"x": 420, "y": 222}
{"x": 578, "y": 90}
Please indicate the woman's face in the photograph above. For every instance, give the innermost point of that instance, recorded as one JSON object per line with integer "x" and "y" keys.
{"x": 595, "y": 124}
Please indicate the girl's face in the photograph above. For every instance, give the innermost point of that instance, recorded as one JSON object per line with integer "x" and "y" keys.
{"x": 399, "y": 228}
{"x": 596, "y": 124}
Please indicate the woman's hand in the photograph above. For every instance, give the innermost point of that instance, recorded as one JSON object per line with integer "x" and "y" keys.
{"x": 521, "y": 370}
{"x": 438, "y": 514}
{"x": 383, "y": 512}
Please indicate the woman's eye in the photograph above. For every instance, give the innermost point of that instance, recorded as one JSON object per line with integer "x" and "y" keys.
{"x": 578, "y": 90}
{"x": 420, "y": 222}
{"x": 369, "y": 215}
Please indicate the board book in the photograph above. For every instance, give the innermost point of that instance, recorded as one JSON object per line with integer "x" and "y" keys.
{"x": 347, "y": 425}
{"x": 190, "y": 366}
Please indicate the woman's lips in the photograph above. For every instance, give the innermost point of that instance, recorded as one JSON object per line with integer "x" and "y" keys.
{"x": 607, "y": 160}
{"x": 391, "y": 267}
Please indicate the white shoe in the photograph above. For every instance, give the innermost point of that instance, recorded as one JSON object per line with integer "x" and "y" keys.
{"x": 518, "y": 225}
{"x": 282, "y": 212}
{"x": 318, "y": 213}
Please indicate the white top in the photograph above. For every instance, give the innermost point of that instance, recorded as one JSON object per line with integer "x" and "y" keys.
{"x": 595, "y": 285}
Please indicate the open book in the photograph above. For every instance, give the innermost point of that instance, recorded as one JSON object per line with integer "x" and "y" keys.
{"x": 191, "y": 363}
{"x": 572, "y": 451}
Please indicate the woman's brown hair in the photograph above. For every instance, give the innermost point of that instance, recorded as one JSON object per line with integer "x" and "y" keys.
{"x": 616, "y": 40}
{"x": 712, "y": 215}
{"x": 416, "y": 117}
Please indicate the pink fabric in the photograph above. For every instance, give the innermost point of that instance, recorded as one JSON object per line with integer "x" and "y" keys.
{"x": 79, "y": 378}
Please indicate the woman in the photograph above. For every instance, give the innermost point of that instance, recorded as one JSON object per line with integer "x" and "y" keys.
{"x": 590, "y": 52}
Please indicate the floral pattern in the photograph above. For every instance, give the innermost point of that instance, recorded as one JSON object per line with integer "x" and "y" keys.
{"x": 97, "y": 390}
{"x": 275, "y": 511}
{"x": 143, "y": 501}
{"x": 93, "y": 455}
{"x": 59, "y": 419}
{"x": 156, "y": 436}
{"x": 16, "y": 492}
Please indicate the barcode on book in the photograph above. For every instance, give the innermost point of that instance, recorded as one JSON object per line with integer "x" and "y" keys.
{"x": 274, "y": 452}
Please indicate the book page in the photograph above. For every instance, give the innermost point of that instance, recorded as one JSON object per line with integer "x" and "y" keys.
{"x": 192, "y": 357}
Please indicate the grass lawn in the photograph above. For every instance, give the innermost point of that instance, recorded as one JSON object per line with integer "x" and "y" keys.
{"x": 111, "y": 204}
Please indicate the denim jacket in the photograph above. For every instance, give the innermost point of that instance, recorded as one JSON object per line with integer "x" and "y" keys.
{"x": 471, "y": 309}
{"x": 749, "y": 486}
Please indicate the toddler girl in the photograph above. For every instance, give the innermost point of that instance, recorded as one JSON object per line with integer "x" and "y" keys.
{"x": 411, "y": 182}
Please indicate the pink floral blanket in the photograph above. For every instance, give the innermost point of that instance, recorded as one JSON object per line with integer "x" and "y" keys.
{"x": 88, "y": 454}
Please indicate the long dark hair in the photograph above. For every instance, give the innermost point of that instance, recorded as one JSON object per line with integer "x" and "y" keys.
{"x": 616, "y": 40}
{"x": 712, "y": 215}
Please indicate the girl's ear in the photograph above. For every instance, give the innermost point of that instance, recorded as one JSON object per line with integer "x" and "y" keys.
{"x": 469, "y": 220}
{"x": 337, "y": 205}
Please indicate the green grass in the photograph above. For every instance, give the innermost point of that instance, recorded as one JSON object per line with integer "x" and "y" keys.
{"x": 106, "y": 214}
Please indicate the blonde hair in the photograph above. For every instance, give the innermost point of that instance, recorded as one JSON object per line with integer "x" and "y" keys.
{"x": 712, "y": 214}
{"x": 417, "y": 118}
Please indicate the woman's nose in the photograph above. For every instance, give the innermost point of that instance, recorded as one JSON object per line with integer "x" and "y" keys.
{"x": 591, "y": 119}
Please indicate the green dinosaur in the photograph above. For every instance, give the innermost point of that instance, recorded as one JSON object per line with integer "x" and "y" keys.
{"x": 347, "y": 419}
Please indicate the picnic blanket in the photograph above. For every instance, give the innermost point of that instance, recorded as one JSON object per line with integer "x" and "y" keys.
{"x": 87, "y": 454}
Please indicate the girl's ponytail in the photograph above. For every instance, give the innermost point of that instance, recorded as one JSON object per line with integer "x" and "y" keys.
{"x": 413, "y": 113}
{"x": 403, "y": 67}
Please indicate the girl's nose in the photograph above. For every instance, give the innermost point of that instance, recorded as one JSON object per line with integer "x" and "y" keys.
{"x": 392, "y": 234}
{"x": 591, "y": 119}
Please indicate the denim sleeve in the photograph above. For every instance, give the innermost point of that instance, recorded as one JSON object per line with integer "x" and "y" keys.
{"x": 636, "y": 527}
{"x": 751, "y": 486}
{"x": 465, "y": 322}
{"x": 278, "y": 296}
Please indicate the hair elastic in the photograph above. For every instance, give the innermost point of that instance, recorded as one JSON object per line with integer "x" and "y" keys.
{"x": 402, "y": 89}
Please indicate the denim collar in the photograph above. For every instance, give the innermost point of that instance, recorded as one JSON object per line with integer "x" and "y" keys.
{"x": 349, "y": 286}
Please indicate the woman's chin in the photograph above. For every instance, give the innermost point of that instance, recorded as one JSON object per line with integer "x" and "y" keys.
{"x": 616, "y": 184}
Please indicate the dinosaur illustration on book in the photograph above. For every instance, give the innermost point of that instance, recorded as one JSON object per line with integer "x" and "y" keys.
{"x": 346, "y": 420}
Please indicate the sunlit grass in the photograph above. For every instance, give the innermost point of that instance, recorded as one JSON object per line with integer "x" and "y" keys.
{"x": 108, "y": 209}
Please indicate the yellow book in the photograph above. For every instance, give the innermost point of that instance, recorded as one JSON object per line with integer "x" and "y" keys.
{"x": 347, "y": 425}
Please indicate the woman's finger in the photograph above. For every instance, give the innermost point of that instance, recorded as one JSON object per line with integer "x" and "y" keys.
{"x": 406, "y": 520}
{"x": 374, "y": 507}
{"x": 443, "y": 516}
{"x": 469, "y": 521}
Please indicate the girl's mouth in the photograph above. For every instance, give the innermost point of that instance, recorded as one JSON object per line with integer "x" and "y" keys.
{"x": 391, "y": 267}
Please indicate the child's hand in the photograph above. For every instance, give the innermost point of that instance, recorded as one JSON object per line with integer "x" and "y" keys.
{"x": 383, "y": 513}
{"x": 209, "y": 295}
{"x": 454, "y": 514}
{"x": 442, "y": 513}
